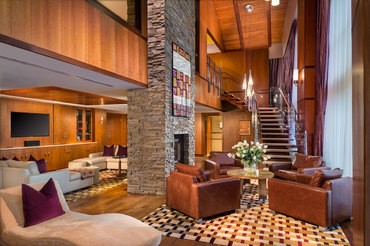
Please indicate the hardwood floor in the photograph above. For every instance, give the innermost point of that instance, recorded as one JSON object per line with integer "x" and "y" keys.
{"x": 118, "y": 200}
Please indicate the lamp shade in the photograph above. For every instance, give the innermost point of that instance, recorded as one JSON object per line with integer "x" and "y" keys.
{"x": 244, "y": 82}
{"x": 250, "y": 80}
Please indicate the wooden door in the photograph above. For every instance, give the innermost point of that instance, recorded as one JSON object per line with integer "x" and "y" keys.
{"x": 64, "y": 124}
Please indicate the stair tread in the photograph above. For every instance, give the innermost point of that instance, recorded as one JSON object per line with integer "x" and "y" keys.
{"x": 268, "y": 108}
{"x": 271, "y": 120}
{"x": 275, "y": 161}
{"x": 280, "y": 150}
{"x": 280, "y": 144}
{"x": 275, "y": 112}
{"x": 276, "y": 133}
{"x": 274, "y": 124}
{"x": 281, "y": 156}
{"x": 274, "y": 129}
{"x": 287, "y": 139}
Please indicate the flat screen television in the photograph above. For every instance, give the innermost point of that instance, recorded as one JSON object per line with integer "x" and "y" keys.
{"x": 29, "y": 124}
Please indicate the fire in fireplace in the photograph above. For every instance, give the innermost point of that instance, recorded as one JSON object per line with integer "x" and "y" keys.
{"x": 180, "y": 147}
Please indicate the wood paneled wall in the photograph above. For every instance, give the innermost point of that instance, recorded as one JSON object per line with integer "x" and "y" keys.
{"x": 77, "y": 30}
{"x": 100, "y": 128}
{"x": 307, "y": 66}
{"x": 361, "y": 121}
{"x": 205, "y": 97}
{"x": 200, "y": 134}
{"x": 7, "y": 106}
{"x": 116, "y": 129}
{"x": 231, "y": 121}
{"x": 237, "y": 63}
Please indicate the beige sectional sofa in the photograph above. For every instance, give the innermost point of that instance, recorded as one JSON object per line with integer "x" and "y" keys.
{"x": 14, "y": 173}
{"x": 71, "y": 228}
{"x": 103, "y": 162}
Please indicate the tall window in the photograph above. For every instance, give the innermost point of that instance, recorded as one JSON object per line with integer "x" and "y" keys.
{"x": 338, "y": 119}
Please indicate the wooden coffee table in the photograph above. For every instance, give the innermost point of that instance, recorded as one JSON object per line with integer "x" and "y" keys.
{"x": 260, "y": 175}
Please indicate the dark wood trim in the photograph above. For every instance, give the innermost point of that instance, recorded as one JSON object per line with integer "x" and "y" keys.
{"x": 116, "y": 18}
{"x": 54, "y": 55}
{"x": 221, "y": 48}
{"x": 306, "y": 99}
{"x": 306, "y": 67}
{"x": 238, "y": 22}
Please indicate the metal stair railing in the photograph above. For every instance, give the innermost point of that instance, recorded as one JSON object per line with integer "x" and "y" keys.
{"x": 296, "y": 127}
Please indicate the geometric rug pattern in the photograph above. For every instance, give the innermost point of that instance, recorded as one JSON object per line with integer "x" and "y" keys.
{"x": 254, "y": 224}
{"x": 107, "y": 180}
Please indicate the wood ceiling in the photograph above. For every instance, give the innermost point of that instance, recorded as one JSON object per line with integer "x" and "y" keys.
{"x": 258, "y": 29}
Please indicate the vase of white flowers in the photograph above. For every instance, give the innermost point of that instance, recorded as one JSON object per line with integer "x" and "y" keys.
{"x": 249, "y": 154}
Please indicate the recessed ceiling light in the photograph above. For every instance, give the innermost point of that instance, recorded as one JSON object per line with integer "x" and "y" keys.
{"x": 248, "y": 8}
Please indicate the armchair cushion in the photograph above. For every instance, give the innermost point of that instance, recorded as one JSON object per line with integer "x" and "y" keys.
{"x": 30, "y": 165}
{"x": 108, "y": 150}
{"x": 192, "y": 170}
{"x": 306, "y": 161}
{"x": 39, "y": 206}
{"x": 321, "y": 176}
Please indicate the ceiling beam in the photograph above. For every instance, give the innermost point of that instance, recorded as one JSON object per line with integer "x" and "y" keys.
{"x": 239, "y": 24}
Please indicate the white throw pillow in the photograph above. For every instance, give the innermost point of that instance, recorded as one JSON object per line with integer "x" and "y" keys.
{"x": 30, "y": 165}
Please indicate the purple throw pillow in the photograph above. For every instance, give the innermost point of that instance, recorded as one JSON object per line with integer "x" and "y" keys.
{"x": 4, "y": 158}
{"x": 39, "y": 206}
{"x": 41, "y": 164}
{"x": 108, "y": 151}
{"x": 15, "y": 158}
{"x": 122, "y": 151}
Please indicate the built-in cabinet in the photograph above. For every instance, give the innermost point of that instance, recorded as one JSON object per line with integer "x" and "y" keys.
{"x": 83, "y": 125}
{"x": 64, "y": 118}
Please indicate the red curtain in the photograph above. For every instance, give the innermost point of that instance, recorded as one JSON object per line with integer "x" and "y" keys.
{"x": 321, "y": 80}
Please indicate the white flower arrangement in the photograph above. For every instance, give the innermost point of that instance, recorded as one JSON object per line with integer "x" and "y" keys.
{"x": 249, "y": 153}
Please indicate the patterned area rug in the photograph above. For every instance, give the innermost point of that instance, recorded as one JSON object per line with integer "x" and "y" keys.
{"x": 254, "y": 225}
{"x": 108, "y": 180}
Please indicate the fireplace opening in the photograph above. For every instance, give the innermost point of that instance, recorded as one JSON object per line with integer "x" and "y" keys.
{"x": 180, "y": 148}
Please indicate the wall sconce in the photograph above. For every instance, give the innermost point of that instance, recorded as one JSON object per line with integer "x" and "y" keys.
{"x": 220, "y": 124}
{"x": 295, "y": 76}
{"x": 101, "y": 121}
{"x": 275, "y": 2}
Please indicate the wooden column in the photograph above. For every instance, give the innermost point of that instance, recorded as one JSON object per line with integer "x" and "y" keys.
{"x": 361, "y": 121}
{"x": 307, "y": 66}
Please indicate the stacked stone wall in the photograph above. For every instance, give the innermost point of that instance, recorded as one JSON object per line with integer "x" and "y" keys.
{"x": 151, "y": 126}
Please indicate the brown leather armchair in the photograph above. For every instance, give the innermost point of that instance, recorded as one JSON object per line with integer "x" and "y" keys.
{"x": 186, "y": 193}
{"x": 302, "y": 164}
{"x": 219, "y": 163}
{"x": 325, "y": 205}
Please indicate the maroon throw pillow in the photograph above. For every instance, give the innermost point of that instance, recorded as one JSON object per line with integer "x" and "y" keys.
{"x": 41, "y": 164}
{"x": 122, "y": 150}
{"x": 15, "y": 158}
{"x": 317, "y": 179}
{"x": 4, "y": 158}
{"x": 192, "y": 170}
{"x": 320, "y": 176}
{"x": 39, "y": 206}
{"x": 108, "y": 150}
{"x": 306, "y": 161}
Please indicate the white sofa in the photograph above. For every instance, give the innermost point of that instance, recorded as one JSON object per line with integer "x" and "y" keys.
{"x": 14, "y": 173}
{"x": 71, "y": 228}
{"x": 104, "y": 162}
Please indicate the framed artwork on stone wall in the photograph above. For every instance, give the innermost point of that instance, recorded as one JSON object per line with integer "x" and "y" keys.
{"x": 181, "y": 82}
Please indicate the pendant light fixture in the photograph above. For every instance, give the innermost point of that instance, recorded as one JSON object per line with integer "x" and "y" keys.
{"x": 275, "y": 2}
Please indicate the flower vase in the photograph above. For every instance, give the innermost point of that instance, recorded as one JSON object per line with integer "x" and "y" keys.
{"x": 249, "y": 168}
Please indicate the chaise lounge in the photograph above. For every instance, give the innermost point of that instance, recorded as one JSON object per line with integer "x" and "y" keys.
{"x": 69, "y": 228}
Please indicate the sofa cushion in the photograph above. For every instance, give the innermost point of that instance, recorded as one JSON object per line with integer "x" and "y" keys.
{"x": 321, "y": 176}
{"x": 108, "y": 150}
{"x": 306, "y": 161}
{"x": 41, "y": 164}
{"x": 122, "y": 150}
{"x": 74, "y": 175}
{"x": 4, "y": 163}
{"x": 192, "y": 170}
{"x": 39, "y": 206}
{"x": 30, "y": 165}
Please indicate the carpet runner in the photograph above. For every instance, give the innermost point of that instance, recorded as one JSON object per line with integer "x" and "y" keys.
{"x": 254, "y": 225}
{"x": 108, "y": 179}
